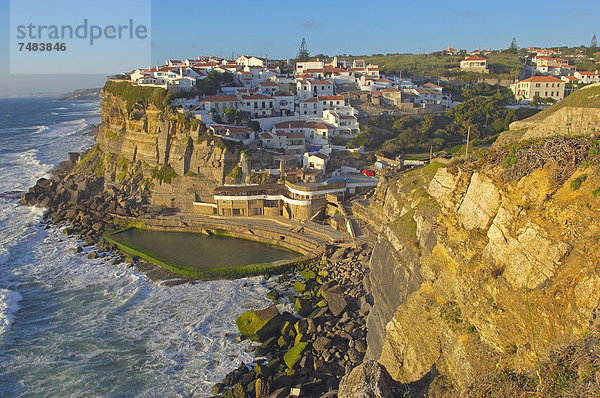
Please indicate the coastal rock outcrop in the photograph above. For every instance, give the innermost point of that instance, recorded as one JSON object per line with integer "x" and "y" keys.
{"x": 471, "y": 269}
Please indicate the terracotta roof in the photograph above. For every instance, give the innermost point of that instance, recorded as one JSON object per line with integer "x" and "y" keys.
{"x": 331, "y": 97}
{"x": 270, "y": 84}
{"x": 290, "y": 124}
{"x": 304, "y": 76}
{"x": 320, "y": 82}
{"x": 542, "y": 79}
{"x": 256, "y": 97}
{"x": 475, "y": 58}
{"x": 319, "y": 155}
{"x": 282, "y": 94}
{"x": 266, "y": 136}
{"x": 295, "y": 135}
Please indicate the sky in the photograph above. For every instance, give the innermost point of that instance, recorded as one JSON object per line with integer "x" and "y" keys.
{"x": 184, "y": 29}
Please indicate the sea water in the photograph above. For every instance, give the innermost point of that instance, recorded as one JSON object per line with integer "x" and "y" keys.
{"x": 72, "y": 326}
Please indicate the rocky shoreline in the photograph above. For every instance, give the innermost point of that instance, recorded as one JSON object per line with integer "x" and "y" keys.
{"x": 308, "y": 351}
{"x": 79, "y": 202}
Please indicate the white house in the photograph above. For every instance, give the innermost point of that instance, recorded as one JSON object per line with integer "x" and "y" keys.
{"x": 259, "y": 105}
{"x": 344, "y": 121}
{"x": 315, "y": 160}
{"x": 474, "y": 63}
{"x": 284, "y": 103}
{"x": 312, "y": 64}
{"x": 539, "y": 86}
{"x": 218, "y": 102}
{"x": 587, "y": 77}
{"x": 234, "y": 133}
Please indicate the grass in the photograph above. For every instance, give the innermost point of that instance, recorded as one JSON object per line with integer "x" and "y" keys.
{"x": 210, "y": 273}
{"x": 588, "y": 97}
{"x": 131, "y": 94}
{"x": 576, "y": 182}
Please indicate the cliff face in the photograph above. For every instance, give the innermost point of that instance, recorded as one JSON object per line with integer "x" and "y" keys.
{"x": 472, "y": 270}
{"x": 456, "y": 264}
{"x": 159, "y": 142}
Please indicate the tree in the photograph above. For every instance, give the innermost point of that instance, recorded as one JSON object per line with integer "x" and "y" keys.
{"x": 303, "y": 54}
{"x": 594, "y": 42}
{"x": 513, "y": 45}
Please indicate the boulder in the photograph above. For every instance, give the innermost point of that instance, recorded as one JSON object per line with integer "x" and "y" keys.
{"x": 260, "y": 325}
{"x": 293, "y": 355}
{"x": 336, "y": 301}
{"x": 303, "y": 307}
{"x": 368, "y": 380}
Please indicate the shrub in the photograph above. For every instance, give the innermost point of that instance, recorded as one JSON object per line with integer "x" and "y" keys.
{"x": 596, "y": 192}
{"x": 576, "y": 183}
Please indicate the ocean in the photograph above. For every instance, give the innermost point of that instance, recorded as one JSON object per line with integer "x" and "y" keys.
{"x": 72, "y": 326}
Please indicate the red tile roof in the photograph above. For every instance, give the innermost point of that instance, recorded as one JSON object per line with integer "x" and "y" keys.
{"x": 542, "y": 79}
{"x": 331, "y": 97}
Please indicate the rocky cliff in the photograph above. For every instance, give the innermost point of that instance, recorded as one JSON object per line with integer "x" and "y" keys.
{"x": 153, "y": 148}
{"x": 484, "y": 264}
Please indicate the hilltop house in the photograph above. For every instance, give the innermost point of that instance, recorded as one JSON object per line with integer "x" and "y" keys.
{"x": 474, "y": 63}
{"x": 539, "y": 86}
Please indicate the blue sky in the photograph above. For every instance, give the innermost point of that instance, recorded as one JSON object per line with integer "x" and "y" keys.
{"x": 275, "y": 28}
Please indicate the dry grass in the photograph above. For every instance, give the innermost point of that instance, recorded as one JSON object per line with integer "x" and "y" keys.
{"x": 569, "y": 371}
{"x": 522, "y": 159}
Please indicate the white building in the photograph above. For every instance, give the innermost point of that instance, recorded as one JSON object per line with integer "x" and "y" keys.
{"x": 312, "y": 64}
{"x": 474, "y": 63}
{"x": 234, "y": 133}
{"x": 539, "y": 86}
{"x": 587, "y": 77}
{"x": 315, "y": 160}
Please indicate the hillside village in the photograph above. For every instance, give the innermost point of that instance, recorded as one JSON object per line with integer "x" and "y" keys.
{"x": 298, "y": 108}
{"x": 298, "y": 113}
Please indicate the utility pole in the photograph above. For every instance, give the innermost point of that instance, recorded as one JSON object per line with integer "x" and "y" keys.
{"x": 430, "y": 153}
{"x": 468, "y": 138}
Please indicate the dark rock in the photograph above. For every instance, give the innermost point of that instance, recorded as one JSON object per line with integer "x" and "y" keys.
{"x": 321, "y": 343}
{"x": 282, "y": 392}
{"x": 336, "y": 302}
{"x": 273, "y": 295}
{"x": 360, "y": 346}
{"x": 354, "y": 356}
{"x": 369, "y": 379}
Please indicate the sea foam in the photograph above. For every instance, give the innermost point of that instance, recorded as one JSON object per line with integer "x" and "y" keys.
{"x": 9, "y": 304}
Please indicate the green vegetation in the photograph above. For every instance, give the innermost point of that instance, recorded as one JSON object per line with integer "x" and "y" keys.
{"x": 503, "y": 64}
{"x": 236, "y": 172}
{"x": 596, "y": 192}
{"x": 485, "y": 116}
{"x": 93, "y": 160}
{"x": 209, "y": 85}
{"x": 292, "y": 356}
{"x": 576, "y": 182}
{"x": 164, "y": 174}
{"x": 588, "y": 97}
{"x": 131, "y": 94}
{"x": 572, "y": 370}
{"x": 210, "y": 273}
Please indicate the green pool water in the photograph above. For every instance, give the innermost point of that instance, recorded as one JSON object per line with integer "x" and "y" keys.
{"x": 201, "y": 251}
